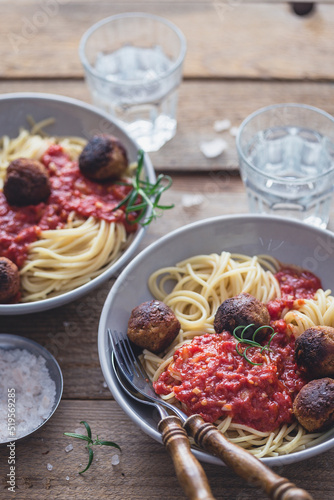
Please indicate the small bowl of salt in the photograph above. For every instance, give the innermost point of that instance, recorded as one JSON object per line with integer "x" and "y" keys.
{"x": 31, "y": 386}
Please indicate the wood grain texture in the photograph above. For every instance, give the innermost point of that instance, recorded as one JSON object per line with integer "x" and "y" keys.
{"x": 225, "y": 39}
{"x": 201, "y": 103}
{"x": 145, "y": 470}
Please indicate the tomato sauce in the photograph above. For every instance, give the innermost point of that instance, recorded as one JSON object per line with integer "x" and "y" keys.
{"x": 296, "y": 285}
{"x": 70, "y": 191}
{"x": 210, "y": 378}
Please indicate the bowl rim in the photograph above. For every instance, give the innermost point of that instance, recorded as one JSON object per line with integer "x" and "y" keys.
{"x": 59, "y": 300}
{"x": 37, "y": 349}
{"x": 116, "y": 389}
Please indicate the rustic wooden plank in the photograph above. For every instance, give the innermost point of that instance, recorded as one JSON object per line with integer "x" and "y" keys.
{"x": 145, "y": 469}
{"x": 225, "y": 39}
{"x": 200, "y": 104}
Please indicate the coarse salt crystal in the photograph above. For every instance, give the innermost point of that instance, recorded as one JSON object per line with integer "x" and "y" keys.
{"x": 234, "y": 131}
{"x": 212, "y": 149}
{"x": 69, "y": 448}
{"x": 115, "y": 459}
{"x": 191, "y": 200}
{"x": 221, "y": 125}
{"x": 35, "y": 391}
{"x": 67, "y": 478}
{"x": 105, "y": 385}
{"x": 49, "y": 467}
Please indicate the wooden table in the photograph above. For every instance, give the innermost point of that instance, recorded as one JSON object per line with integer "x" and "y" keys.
{"x": 241, "y": 55}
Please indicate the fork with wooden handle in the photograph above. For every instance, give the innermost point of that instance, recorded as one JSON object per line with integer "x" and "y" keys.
{"x": 205, "y": 435}
{"x": 188, "y": 470}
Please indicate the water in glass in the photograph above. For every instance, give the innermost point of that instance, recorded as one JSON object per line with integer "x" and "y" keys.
{"x": 292, "y": 175}
{"x": 145, "y": 103}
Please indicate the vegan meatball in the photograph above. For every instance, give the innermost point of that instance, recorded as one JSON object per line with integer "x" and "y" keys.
{"x": 314, "y": 405}
{"x": 9, "y": 280}
{"x": 314, "y": 351}
{"x": 243, "y": 309}
{"x": 153, "y": 326}
{"x": 104, "y": 157}
{"x": 27, "y": 182}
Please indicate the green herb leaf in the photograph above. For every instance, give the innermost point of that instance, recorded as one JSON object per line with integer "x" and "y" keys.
{"x": 89, "y": 432}
{"x": 90, "y": 442}
{"x": 90, "y": 459}
{"x": 144, "y": 195}
{"x": 108, "y": 443}
{"x": 251, "y": 343}
{"x": 78, "y": 436}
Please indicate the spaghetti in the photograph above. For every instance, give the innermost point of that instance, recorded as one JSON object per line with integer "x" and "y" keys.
{"x": 73, "y": 237}
{"x": 194, "y": 289}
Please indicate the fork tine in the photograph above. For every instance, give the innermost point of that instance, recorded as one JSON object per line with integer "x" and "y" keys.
{"x": 135, "y": 361}
{"x": 125, "y": 355}
{"x": 128, "y": 356}
{"x": 116, "y": 348}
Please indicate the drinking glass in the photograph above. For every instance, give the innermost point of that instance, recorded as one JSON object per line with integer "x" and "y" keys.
{"x": 133, "y": 67}
{"x": 286, "y": 157}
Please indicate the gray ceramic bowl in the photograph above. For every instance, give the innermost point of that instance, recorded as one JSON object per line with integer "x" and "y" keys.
{"x": 10, "y": 342}
{"x": 72, "y": 117}
{"x": 290, "y": 241}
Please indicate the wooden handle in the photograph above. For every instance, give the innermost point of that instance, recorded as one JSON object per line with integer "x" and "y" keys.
{"x": 189, "y": 471}
{"x": 243, "y": 463}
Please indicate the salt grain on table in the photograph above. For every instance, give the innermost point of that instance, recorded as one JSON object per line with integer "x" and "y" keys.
{"x": 69, "y": 448}
{"x": 234, "y": 131}
{"x": 212, "y": 149}
{"x": 191, "y": 200}
{"x": 221, "y": 125}
{"x": 115, "y": 459}
{"x": 49, "y": 467}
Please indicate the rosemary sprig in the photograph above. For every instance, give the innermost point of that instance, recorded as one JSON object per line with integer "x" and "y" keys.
{"x": 251, "y": 342}
{"x": 90, "y": 442}
{"x": 144, "y": 194}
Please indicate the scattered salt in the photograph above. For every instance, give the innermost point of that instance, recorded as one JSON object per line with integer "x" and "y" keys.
{"x": 221, "y": 125}
{"x": 212, "y": 149}
{"x": 69, "y": 448}
{"x": 115, "y": 459}
{"x": 234, "y": 131}
{"x": 35, "y": 391}
{"x": 105, "y": 385}
{"x": 192, "y": 200}
{"x": 49, "y": 467}
{"x": 67, "y": 478}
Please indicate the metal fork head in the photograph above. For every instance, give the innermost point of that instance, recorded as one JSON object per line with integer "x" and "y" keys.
{"x": 133, "y": 370}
